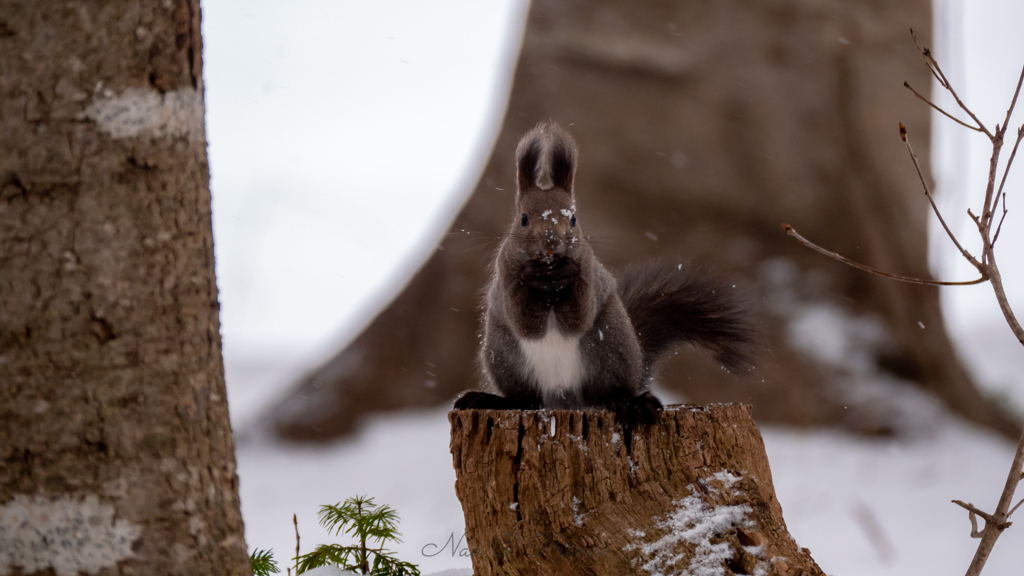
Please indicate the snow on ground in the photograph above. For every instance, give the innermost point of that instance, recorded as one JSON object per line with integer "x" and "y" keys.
{"x": 873, "y": 506}
{"x": 400, "y": 460}
{"x": 302, "y": 98}
{"x": 863, "y": 506}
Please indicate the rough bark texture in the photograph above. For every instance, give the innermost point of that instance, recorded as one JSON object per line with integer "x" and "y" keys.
{"x": 702, "y": 126}
{"x": 567, "y": 492}
{"x": 116, "y": 455}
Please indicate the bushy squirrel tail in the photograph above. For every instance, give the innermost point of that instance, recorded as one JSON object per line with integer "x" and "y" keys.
{"x": 671, "y": 304}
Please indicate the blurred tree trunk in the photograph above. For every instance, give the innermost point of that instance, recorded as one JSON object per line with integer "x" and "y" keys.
{"x": 702, "y": 127}
{"x": 116, "y": 452}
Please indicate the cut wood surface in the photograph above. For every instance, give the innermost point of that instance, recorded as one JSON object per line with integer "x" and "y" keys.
{"x": 571, "y": 492}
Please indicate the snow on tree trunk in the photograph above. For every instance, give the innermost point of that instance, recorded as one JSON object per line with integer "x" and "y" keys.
{"x": 116, "y": 453}
{"x": 569, "y": 492}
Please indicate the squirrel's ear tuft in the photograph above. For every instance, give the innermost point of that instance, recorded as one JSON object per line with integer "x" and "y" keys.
{"x": 528, "y": 159}
{"x": 546, "y": 157}
{"x": 562, "y": 157}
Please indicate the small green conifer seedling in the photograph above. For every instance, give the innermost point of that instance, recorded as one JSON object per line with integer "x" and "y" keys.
{"x": 263, "y": 563}
{"x": 362, "y": 518}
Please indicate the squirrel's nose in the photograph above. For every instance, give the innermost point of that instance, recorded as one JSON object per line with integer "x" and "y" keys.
{"x": 554, "y": 248}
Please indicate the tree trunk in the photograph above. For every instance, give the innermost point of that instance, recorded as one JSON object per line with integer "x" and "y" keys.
{"x": 701, "y": 128}
{"x": 116, "y": 454}
{"x": 568, "y": 492}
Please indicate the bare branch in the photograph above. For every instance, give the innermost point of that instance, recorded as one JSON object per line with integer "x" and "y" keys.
{"x": 975, "y": 218}
{"x": 789, "y": 230}
{"x": 927, "y": 54}
{"x": 974, "y": 525}
{"x": 1000, "y": 226}
{"x": 1013, "y": 103}
{"x": 1004, "y": 305}
{"x": 941, "y": 77}
{"x": 928, "y": 193}
{"x": 998, "y": 522}
{"x": 1006, "y": 171}
{"x": 974, "y": 510}
{"x": 1014, "y": 509}
{"x": 943, "y": 112}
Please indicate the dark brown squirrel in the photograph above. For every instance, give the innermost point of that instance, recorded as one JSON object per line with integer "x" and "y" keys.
{"x": 560, "y": 332}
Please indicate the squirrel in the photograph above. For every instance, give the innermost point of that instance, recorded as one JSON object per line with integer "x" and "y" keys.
{"x": 560, "y": 332}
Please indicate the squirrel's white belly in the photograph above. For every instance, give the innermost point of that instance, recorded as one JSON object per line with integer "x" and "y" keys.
{"x": 554, "y": 359}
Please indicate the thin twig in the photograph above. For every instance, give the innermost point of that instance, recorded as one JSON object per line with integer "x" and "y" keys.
{"x": 975, "y": 218}
{"x": 1014, "y": 509}
{"x": 943, "y": 112}
{"x": 928, "y": 193}
{"x": 1013, "y": 103}
{"x": 789, "y": 230}
{"x": 1000, "y": 226}
{"x": 974, "y": 525}
{"x": 1002, "y": 183}
{"x": 295, "y": 520}
{"x": 974, "y": 510}
{"x": 926, "y": 54}
{"x": 993, "y": 168}
{"x": 941, "y": 77}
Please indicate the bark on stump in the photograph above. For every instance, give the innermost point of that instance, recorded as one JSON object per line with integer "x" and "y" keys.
{"x": 569, "y": 492}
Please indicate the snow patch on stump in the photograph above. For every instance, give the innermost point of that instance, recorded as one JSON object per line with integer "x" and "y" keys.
{"x": 696, "y": 522}
{"x": 69, "y": 535}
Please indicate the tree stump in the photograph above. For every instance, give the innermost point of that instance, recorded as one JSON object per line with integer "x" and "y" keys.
{"x": 571, "y": 492}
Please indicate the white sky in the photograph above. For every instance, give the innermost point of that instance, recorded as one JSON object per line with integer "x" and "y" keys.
{"x": 343, "y": 135}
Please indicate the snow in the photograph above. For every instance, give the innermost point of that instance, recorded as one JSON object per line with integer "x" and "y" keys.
{"x": 577, "y": 518}
{"x": 327, "y": 186}
{"x": 725, "y": 478}
{"x": 696, "y": 522}
{"x": 402, "y": 461}
{"x": 822, "y": 479}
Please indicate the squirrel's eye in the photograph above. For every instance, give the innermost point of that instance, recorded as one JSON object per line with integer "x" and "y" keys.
{"x": 572, "y": 221}
{"x": 524, "y": 220}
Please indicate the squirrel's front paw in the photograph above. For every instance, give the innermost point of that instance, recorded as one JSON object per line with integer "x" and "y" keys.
{"x": 476, "y": 400}
{"x": 642, "y": 410}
